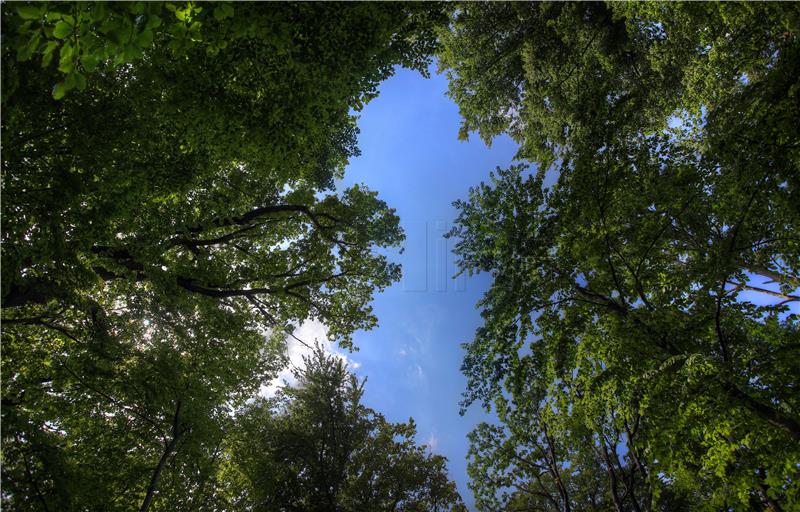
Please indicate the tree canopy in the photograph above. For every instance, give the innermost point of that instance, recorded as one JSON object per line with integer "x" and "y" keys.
{"x": 630, "y": 345}
{"x": 169, "y": 213}
{"x": 186, "y": 166}
{"x": 317, "y": 447}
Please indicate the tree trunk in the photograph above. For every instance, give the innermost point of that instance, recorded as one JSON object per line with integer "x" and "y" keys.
{"x": 168, "y": 449}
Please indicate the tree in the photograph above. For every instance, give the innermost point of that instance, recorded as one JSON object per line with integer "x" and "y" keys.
{"x": 317, "y": 447}
{"x": 169, "y": 211}
{"x": 668, "y": 133}
{"x": 140, "y": 177}
{"x": 592, "y": 458}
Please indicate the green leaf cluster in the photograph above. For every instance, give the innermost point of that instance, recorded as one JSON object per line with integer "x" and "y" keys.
{"x": 644, "y": 254}
{"x": 169, "y": 213}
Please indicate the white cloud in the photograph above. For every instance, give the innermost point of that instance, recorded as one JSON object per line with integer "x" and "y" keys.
{"x": 416, "y": 374}
{"x": 306, "y": 336}
{"x": 432, "y": 442}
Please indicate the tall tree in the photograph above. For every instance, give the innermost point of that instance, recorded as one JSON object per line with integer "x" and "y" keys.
{"x": 169, "y": 203}
{"x": 635, "y": 282}
{"x": 317, "y": 447}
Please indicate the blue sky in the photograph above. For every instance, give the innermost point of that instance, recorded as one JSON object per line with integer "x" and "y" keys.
{"x": 410, "y": 154}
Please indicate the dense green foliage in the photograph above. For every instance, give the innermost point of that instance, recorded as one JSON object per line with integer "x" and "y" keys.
{"x": 168, "y": 204}
{"x": 635, "y": 356}
{"x": 169, "y": 213}
{"x": 317, "y": 447}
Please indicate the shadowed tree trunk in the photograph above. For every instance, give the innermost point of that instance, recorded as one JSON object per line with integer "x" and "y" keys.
{"x": 169, "y": 448}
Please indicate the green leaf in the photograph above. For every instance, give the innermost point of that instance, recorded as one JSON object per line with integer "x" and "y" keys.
{"x": 62, "y": 30}
{"x": 59, "y": 90}
{"x": 29, "y": 12}
{"x": 145, "y": 38}
{"x": 137, "y": 8}
{"x": 33, "y": 44}
{"x": 66, "y": 62}
{"x": 80, "y": 81}
{"x": 23, "y": 53}
{"x": 47, "y": 54}
{"x": 153, "y": 21}
{"x": 223, "y": 11}
{"x": 71, "y": 81}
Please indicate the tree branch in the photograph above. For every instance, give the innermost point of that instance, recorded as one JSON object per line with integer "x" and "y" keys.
{"x": 777, "y": 277}
{"x": 764, "y": 411}
{"x": 252, "y": 215}
{"x": 742, "y": 286}
{"x": 168, "y": 449}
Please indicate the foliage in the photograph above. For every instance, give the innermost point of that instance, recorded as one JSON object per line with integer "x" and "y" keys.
{"x": 87, "y": 36}
{"x": 667, "y": 158}
{"x": 317, "y": 447}
{"x": 88, "y": 416}
{"x": 169, "y": 210}
{"x": 552, "y": 461}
